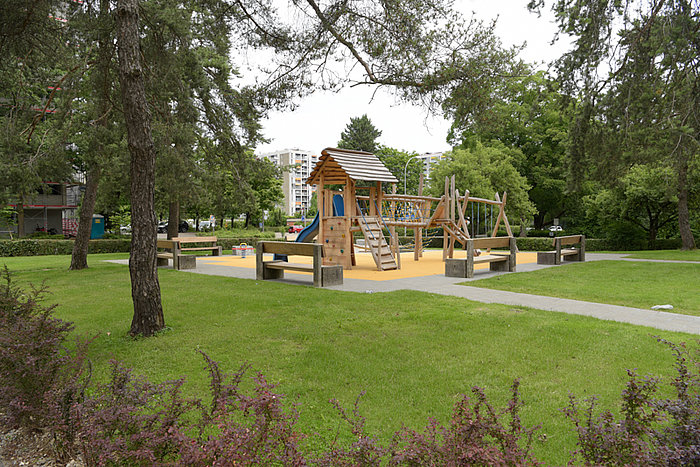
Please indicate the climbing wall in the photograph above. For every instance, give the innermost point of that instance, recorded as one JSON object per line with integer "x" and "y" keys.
{"x": 337, "y": 241}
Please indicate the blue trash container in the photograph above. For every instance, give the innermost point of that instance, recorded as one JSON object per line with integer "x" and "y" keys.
{"x": 98, "y": 226}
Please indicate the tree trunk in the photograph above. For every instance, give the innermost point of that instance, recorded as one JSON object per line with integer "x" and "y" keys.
{"x": 653, "y": 232}
{"x": 87, "y": 208}
{"x": 687, "y": 239}
{"x": 20, "y": 215}
{"x": 523, "y": 228}
{"x": 145, "y": 289}
{"x": 173, "y": 219}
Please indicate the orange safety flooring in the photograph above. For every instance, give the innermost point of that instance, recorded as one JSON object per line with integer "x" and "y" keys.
{"x": 429, "y": 265}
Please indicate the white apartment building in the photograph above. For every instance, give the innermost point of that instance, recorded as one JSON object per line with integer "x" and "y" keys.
{"x": 296, "y": 165}
{"x": 429, "y": 160}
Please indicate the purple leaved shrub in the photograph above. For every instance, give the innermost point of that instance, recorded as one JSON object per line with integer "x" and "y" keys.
{"x": 131, "y": 421}
{"x": 651, "y": 430}
{"x": 40, "y": 376}
{"x": 478, "y": 434}
{"x": 242, "y": 429}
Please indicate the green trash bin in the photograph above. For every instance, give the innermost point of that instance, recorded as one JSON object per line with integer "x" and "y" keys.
{"x": 98, "y": 226}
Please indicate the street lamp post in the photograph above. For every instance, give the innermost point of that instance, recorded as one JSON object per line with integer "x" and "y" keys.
{"x": 405, "y": 169}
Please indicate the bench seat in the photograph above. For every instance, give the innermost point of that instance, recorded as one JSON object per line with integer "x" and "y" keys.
{"x": 215, "y": 249}
{"x": 290, "y": 266}
{"x": 491, "y": 258}
{"x": 203, "y": 248}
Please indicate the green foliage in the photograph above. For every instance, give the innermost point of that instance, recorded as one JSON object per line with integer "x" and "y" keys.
{"x": 644, "y": 109}
{"x": 483, "y": 171}
{"x": 8, "y": 216}
{"x": 395, "y": 161}
{"x": 37, "y": 247}
{"x": 639, "y": 209}
{"x": 360, "y": 135}
{"x": 122, "y": 217}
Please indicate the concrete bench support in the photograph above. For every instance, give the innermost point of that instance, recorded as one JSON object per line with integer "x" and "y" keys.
{"x": 172, "y": 252}
{"x": 464, "y": 267}
{"x": 572, "y": 253}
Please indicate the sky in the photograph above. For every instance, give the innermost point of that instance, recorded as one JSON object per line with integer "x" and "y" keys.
{"x": 320, "y": 118}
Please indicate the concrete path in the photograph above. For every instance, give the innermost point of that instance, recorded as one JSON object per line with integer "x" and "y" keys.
{"x": 439, "y": 284}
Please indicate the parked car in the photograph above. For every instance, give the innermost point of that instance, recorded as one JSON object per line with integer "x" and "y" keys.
{"x": 555, "y": 228}
{"x": 204, "y": 225}
{"x": 182, "y": 227}
{"x": 294, "y": 229}
{"x": 125, "y": 229}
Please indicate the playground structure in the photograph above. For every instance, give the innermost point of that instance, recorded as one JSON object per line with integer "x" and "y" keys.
{"x": 361, "y": 205}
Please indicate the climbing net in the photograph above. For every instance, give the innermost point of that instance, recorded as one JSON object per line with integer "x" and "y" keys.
{"x": 398, "y": 211}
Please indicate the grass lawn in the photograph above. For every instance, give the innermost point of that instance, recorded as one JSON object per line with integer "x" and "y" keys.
{"x": 414, "y": 353}
{"x": 634, "y": 284}
{"x": 675, "y": 255}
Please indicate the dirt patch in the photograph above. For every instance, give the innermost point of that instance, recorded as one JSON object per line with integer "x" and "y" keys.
{"x": 22, "y": 447}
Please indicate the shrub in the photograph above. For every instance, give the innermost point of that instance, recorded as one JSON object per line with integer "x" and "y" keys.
{"x": 652, "y": 431}
{"x": 27, "y": 247}
{"x": 131, "y": 421}
{"x": 254, "y": 429}
{"x": 477, "y": 435}
{"x": 39, "y": 376}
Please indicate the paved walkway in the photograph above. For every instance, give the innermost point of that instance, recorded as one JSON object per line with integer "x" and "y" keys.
{"x": 442, "y": 285}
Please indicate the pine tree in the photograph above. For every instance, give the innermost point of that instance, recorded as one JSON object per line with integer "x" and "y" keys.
{"x": 360, "y": 135}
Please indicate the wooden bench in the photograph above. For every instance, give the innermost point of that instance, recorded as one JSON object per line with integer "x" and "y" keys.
{"x": 464, "y": 267}
{"x": 569, "y": 254}
{"x": 174, "y": 253}
{"x": 323, "y": 276}
{"x": 213, "y": 247}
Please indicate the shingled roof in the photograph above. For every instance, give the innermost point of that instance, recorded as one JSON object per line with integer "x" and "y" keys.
{"x": 337, "y": 164}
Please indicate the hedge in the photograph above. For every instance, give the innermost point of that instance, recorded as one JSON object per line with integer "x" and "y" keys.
{"x": 545, "y": 243}
{"x": 38, "y": 247}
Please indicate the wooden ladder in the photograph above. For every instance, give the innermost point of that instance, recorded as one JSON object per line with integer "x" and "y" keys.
{"x": 375, "y": 241}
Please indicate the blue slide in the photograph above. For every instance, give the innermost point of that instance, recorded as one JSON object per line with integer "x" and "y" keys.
{"x": 311, "y": 230}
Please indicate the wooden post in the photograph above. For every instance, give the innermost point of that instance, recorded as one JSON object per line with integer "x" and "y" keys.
{"x": 418, "y": 231}
{"x": 392, "y": 230}
{"x": 454, "y": 199}
{"x": 319, "y": 206}
{"x": 445, "y": 235}
{"x": 462, "y": 220}
{"x": 500, "y": 216}
{"x": 318, "y": 265}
